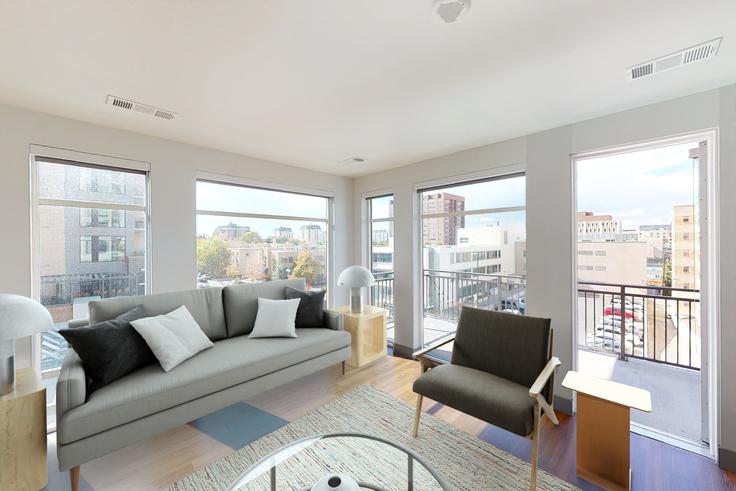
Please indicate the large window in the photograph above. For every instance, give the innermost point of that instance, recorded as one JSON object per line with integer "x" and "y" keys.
{"x": 90, "y": 242}
{"x": 248, "y": 234}
{"x": 474, "y": 250}
{"x": 380, "y": 211}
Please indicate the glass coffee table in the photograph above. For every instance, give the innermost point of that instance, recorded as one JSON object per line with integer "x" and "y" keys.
{"x": 341, "y": 462}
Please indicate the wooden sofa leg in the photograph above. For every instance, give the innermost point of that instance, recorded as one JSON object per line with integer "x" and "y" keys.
{"x": 343, "y": 368}
{"x": 535, "y": 446}
{"x": 74, "y": 478}
{"x": 417, "y": 415}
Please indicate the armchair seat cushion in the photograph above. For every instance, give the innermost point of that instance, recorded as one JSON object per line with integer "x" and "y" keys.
{"x": 493, "y": 399}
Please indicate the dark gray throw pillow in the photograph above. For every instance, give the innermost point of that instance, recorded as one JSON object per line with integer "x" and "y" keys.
{"x": 111, "y": 349}
{"x": 311, "y": 306}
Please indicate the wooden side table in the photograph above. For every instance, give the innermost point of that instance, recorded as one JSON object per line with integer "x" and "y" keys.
{"x": 602, "y": 425}
{"x": 368, "y": 332}
{"x": 23, "y": 434}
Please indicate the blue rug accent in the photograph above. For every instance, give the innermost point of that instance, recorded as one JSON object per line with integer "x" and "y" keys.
{"x": 238, "y": 425}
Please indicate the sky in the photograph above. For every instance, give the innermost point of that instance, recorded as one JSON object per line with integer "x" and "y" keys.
{"x": 638, "y": 188}
{"x": 220, "y": 197}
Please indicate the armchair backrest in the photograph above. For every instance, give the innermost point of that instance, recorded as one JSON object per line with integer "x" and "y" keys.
{"x": 511, "y": 346}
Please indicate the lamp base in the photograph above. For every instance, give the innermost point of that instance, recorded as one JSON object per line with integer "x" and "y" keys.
{"x": 356, "y": 301}
{"x": 7, "y": 367}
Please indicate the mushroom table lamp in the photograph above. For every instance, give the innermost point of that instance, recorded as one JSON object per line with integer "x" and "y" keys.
{"x": 355, "y": 278}
{"x": 19, "y": 317}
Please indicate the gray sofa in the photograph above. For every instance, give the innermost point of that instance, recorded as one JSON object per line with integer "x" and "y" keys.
{"x": 149, "y": 401}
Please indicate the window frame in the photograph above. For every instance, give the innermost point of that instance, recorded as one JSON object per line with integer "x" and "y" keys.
{"x": 498, "y": 173}
{"x": 279, "y": 188}
{"x": 42, "y": 153}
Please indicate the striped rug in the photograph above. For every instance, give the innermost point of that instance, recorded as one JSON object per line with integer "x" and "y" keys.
{"x": 465, "y": 462}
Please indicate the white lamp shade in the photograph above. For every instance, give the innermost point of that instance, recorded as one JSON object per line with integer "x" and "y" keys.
{"x": 355, "y": 277}
{"x": 21, "y": 316}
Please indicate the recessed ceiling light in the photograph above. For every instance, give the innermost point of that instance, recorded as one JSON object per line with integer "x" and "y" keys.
{"x": 450, "y": 10}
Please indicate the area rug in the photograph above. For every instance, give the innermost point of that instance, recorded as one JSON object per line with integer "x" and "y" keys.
{"x": 464, "y": 461}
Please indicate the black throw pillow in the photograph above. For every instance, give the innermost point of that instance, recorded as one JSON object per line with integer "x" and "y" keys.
{"x": 111, "y": 349}
{"x": 311, "y": 310}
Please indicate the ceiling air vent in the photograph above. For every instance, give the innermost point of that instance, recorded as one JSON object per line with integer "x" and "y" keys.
{"x": 352, "y": 161}
{"x": 140, "y": 108}
{"x": 686, "y": 56}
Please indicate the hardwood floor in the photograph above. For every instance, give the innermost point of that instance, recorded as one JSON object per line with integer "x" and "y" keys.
{"x": 176, "y": 453}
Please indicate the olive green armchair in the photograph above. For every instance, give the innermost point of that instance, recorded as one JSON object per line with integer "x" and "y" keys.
{"x": 501, "y": 371}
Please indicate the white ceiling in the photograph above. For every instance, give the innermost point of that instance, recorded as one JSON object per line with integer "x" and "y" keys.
{"x": 311, "y": 83}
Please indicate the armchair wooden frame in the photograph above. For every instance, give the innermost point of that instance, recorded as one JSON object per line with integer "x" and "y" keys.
{"x": 541, "y": 405}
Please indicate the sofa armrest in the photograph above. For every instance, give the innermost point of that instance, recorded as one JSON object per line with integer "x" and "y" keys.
{"x": 333, "y": 320}
{"x": 78, "y": 323}
{"x": 71, "y": 386}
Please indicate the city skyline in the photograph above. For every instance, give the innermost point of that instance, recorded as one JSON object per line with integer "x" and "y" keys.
{"x": 647, "y": 184}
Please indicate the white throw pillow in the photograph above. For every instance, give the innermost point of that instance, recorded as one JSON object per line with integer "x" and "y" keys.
{"x": 173, "y": 337}
{"x": 275, "y": 318}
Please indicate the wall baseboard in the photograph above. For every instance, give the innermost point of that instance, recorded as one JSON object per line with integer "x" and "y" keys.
{"x": 727, "y": 459}
{"x": 403, "y": 351}
{"x": 563, "y": 405}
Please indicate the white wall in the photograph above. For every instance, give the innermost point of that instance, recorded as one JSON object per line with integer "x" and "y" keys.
{"x": 173, "y": 172}
{"x": 547, "y": 159}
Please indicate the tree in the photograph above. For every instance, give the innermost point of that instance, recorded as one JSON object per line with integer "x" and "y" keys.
{"x": 667, "y": 275}
{"x": 213, "y": 256}
{"x": 251, "y": 237}
{"x": 306, "y": 267}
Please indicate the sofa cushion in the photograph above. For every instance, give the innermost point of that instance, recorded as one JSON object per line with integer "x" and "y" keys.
{"x": 241, "y": 302}
{"x": 493, "y": 399}
{"x": 111, "y": 349}
{"x": 204, "y": 304}
{"x": 228, "y": 363}
{"x": 311, "y": 306}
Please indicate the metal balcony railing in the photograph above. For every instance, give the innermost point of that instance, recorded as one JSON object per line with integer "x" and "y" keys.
{"x": 382, "y": 293}
{"x": 445, "y": 292}
{"x": 655, "y": 323}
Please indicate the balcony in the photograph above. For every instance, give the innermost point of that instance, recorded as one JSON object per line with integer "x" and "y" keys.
{"x": 661, "y": 337}
{"x": 66, "y": 297}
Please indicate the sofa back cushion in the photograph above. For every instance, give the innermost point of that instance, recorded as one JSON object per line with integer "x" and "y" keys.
{"x": 204, "y": 304}
{"x": 241, "y": 302}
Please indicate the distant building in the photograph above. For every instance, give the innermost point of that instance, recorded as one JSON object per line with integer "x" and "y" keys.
{"x": 685, "y": 247}
{"x": 619, "y": 262}
{"x": 597, "y": 227}
{"x": 380, "y": 236}
{"x": 382, "y": 259}
{"x": 659, "y": 236}
{"x": 391, "y": 215}
{"x": 441, "y": 230}
{"x": 231, "y": 231}
{"x": 520, "y": 257}
{"x": 283, "y": 233}
{"x": 311, "y": 233}
{"x": 250, "y": 261}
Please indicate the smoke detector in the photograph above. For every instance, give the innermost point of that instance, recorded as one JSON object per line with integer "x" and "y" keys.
{"x": 700, "y": 52}
{"x": 128, "y": 105}
{"x": 352, "y": 162}
{"x": 450, "y": 10}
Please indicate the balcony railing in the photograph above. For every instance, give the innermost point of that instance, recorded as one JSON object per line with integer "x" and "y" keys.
{"x": 61, "y": 293}
{"x": 655, "y": 323}
{"x": 382, "y": 293}
{"x": 445, "y": 292}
